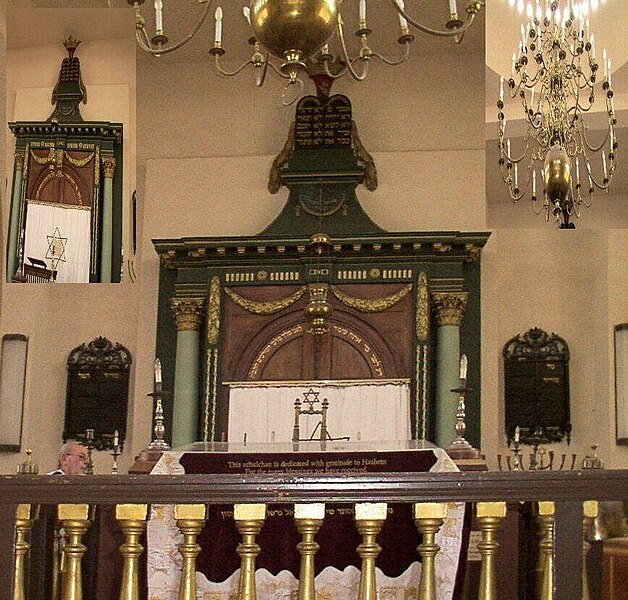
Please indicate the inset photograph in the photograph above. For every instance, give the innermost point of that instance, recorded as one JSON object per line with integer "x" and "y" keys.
{"x": 70, "y": 112}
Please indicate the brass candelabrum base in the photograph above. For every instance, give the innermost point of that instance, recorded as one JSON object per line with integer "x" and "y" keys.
{"x": 540, "y": 459}
{"x": 460, "y": 448}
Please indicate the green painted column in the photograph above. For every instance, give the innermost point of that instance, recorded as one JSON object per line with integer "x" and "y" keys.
{"x": 188, "y": 313}
{"x": 450, "y": 308}
{"x": 15, "y": 216}
{"x": 106, "y": 246}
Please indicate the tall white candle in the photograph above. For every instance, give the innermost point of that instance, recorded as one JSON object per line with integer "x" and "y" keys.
{"x": 218, "y": 31}
{"x": 501, "y": 88}
{"x": 159, "y": 23}
{"x": 604, "y": 162}
{"x": 534, "y": 183}
{"x": 577, "y": 170}
{"x": 463, "y": 367}
{"x": 157, "y": 371}
{"x": 453, "y": 9}
{"x": 517, "y": 433}
{"x": 402, "y": 20}
{"x": 362, "y": 11}
{"x": 116, "y": 438}
{"x": 246, "y": 11}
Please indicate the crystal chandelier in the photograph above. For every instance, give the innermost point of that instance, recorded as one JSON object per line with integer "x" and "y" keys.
{"x": 555, "y": 74}
{"x": 293, "y": 37}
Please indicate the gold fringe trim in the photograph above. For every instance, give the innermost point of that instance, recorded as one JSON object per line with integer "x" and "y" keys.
{"x": 373, "y": 305}
{"x": 265, "y": 308}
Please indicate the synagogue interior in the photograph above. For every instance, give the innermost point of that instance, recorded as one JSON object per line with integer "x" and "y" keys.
{"x": 347, "y": 303}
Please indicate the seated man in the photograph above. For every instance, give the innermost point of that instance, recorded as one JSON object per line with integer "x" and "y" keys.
{"x": 73, "y": 459}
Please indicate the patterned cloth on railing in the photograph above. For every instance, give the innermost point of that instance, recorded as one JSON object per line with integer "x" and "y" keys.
{"x": 398, "y": 572}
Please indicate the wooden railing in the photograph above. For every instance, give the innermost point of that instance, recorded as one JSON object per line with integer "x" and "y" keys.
{"x": 566, "y": 491}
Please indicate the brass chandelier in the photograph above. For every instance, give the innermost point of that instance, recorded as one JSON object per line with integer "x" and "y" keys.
{"x": 299, "y": 34}
{"x": 555, "y": 74}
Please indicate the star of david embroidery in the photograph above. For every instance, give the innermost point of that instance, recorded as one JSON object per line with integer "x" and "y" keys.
{"x": 56, "y": 247}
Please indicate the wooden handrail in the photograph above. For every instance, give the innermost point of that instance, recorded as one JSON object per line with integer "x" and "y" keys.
{"x": 380, "y": 487}
{"x": 567, "y": 489}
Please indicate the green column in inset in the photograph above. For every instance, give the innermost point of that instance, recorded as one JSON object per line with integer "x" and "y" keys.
{"x": 15, "y": 216}
{"x": 449, "y": 310}
{"x": 106, "y": 246}
{"x": 188, "y": 313}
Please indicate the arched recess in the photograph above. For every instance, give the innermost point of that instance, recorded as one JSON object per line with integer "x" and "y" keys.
{"x": 285, "y": 351}
{"x": 358, "y": 346}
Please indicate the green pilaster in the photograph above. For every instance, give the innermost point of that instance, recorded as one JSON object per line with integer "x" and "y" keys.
{"x": 185, "y": 414}
{"x": 109, "y": 165}
{"x": 15, "y": 216}
{"x": 450, "y": 308}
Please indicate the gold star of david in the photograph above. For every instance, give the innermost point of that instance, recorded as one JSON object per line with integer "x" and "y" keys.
{"x": 56, "y": 246}
{"x": 310, "y": 397}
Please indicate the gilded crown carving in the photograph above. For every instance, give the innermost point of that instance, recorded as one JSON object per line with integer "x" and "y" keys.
{"x": 188, "y": 313}
{"x": 450, "y": 307}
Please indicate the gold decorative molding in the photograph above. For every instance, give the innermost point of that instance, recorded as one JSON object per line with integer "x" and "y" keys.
{"x": 188, "y": 313}
{"x": 265, "y": 308}
{"x": 372, "y": 305}
{"x": 450, "y": 307}
{"x": 19, "y": 160}
{"x": 422, "y": 309}
{"x": 108, "y": 166}
{"x": 370, "y": 171}
{"x": 79, "y": 162}
{"x": 213, "y": 312}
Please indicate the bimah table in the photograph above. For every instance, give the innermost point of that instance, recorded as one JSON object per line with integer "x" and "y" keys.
{"x": 337, "y": 562}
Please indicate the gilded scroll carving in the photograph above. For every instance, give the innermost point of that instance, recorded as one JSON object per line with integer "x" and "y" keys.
{"x": 213, "y": 312}
{"x": 265, "y": 308}
{"x": 422, "y": 309}
{"x": 372, "y": 305}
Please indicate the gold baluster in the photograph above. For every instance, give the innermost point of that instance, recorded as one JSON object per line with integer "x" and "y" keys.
{"x": 58, "y": 561}
{"x": 308, "y": 518}
{"x": 25, "y": 516}
{"x": 190, "y": 520}
{"x": 369, "y": 520}
{"x": 249, "y": 519}
{"x": 590, "y": 510}
{"x": 75, "y": 522}
{"x": 545, "y": 584}
{"x": 132, "y": 520}
{"x": 428, "y": 518}
{"x": 489, "y": 516}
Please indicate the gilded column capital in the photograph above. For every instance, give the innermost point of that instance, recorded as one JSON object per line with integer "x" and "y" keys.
{"x": 450, "y": 307}
{"x": 188, "y": 313}
{"x": 19, "y": 161}
{"x": 108, "y": 166}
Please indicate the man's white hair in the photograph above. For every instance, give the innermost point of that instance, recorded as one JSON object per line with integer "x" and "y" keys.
{"x": 67, "y": 448}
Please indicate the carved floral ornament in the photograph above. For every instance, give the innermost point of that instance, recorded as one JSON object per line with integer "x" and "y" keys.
{"x": 364, "y": 305}
{"x": 450, "y": 307}
{"x": 188, "y": 313}
{"x": 422, "y": 309}
{"x": 108, "y": 166}
{"x": 213, "y": 312}
{"x": 102, "y": 353}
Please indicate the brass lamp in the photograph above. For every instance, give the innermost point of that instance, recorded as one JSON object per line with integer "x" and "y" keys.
{"x": 298, "y": 32}
{"x": 555, "y": 74}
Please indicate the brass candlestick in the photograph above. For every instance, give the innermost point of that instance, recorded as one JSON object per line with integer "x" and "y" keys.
{"x": 159, "y": 429}
{"x": 116, "y": 452}
{"x": 89, "y": 444}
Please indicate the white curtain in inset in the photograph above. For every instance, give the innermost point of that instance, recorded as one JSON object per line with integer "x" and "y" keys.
{"x": 378, "y": 411}
{"x": 68, "y": 229}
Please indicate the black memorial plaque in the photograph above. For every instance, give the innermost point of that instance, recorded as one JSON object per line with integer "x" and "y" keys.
{"x": 536, "y": 373}
{"x": 97, "y": 392}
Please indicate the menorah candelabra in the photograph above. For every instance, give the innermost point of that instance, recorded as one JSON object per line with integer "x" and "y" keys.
{"x": 540, "y": 459}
